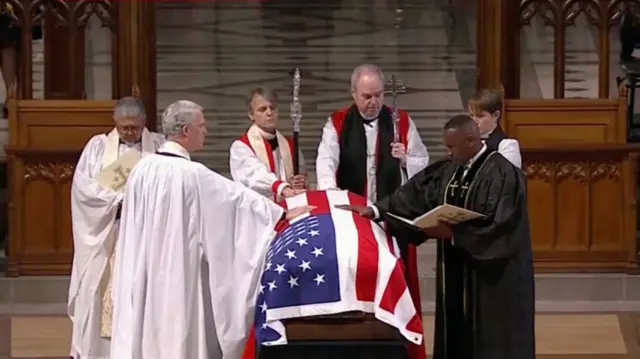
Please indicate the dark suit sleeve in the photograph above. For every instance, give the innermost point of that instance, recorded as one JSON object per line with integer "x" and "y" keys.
{"x": 506, "y": 227}
{"x": 416, "y": 197}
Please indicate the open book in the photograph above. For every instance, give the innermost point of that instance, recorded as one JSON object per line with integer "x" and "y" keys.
{"x": 115, "y": 175}
{"x": 445, "y": 213}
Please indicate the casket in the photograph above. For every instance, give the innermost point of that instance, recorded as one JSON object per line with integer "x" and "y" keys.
{"x": 339, "y": 336}
{"x": 343, "y": 254}
{"x": 353, "y": 326}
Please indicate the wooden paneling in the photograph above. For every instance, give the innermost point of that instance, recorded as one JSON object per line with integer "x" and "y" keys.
{"x": 581, "y": 182}
{"x": 64, "y": 60}
{"x": 496, "y": 64}
{"x": 582, "y": 207}
{"x": 566, "y": 122}
{"x": 46, "y": 139}
{"x": 64, "y": 23}
{"x": 135, "y": 46}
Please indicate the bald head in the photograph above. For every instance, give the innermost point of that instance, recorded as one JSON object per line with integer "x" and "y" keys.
{"x": 462, "y": 138}
{"x": 367, "y": 89}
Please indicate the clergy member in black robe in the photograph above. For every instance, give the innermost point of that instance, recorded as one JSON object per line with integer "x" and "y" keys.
{"x": 485, "y": 284}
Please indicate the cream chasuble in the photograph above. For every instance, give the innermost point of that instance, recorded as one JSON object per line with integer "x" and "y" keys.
{"x": 94, "y": 210}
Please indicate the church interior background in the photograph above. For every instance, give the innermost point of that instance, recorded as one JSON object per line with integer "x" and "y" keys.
{"x": 214, "y": 52}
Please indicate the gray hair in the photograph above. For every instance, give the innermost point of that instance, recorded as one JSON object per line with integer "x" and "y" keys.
{"x": 179, "y": 114}
{"x": 269, "y": 95}
{"x": 129, "y": 107}
{"x": 366, "y": 69}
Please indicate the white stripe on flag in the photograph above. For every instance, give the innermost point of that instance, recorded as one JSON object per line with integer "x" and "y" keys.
{"x": 346, "y": 244}
{"x": 297, "y": 201}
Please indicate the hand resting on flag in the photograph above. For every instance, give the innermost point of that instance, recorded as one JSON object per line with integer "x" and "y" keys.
{"x": 366, "y": 212}
{"x": 298, "y": 211}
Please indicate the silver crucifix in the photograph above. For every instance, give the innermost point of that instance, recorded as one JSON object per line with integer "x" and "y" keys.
{"x": 395, "y": 87}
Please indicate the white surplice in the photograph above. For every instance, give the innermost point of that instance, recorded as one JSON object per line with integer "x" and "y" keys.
{"x": 510, "y": 149}
{"x": 329, "y": 156}
{"x": 190, "y": 251}
{"x": 93, "y": 214}
{"x": 249, "y": 166}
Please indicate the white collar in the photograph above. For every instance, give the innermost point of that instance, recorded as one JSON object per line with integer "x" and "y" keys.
{"x": 475, "y": 158}
{"x": 267, "y": 135}
{"x": 174, "y": 148}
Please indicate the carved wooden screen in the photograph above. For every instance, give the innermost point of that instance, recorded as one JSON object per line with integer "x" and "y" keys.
{"x": 63, "y": 24}
{"x": 551, "y": 22}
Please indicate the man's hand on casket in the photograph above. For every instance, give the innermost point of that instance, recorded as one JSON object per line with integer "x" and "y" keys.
{"x": 366, "y": 212}
{"x": 441, "y": 231}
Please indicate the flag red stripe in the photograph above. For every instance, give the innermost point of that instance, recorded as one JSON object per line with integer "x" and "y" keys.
{"x": 250, "y": 347}
{"x": 367, "y": 265}
{"x": 416, "y": 351}
{"x": 319, "y": 200}
{"x": 393, "y": 290}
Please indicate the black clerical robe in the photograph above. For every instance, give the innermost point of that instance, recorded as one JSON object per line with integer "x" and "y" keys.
{"x": 485, "y": 284}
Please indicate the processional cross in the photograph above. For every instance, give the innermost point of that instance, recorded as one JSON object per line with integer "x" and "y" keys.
{"x": 395, "y": 87}
{"x": 296, "y": 115}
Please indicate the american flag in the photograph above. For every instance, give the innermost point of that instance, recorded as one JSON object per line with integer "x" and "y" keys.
{"x": 332, "y": 261}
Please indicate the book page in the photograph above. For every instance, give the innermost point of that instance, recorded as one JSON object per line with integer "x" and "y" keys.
{"x": 115, "y": 176}
{"x": 445, "y": 213}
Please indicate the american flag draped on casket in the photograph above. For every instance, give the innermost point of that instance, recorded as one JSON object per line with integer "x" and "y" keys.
{"x": 332, "y": 261}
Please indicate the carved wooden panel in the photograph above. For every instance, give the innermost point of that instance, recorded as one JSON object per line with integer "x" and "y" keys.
{"x": 582, "y": 207}
{"x": 64, "y": 23}
{"x": 602, "y": 15}
{"x": 40, "y": 211}
{"x": 46, "y": 138}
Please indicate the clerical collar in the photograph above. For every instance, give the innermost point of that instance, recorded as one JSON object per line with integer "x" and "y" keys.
{"x": 130, "y": 143}
{"x": 266, "y": 135}
{"x": 475, "y": 158}
{"x": 272, "y": 138}
{"x": 368, "y": 121}
{"x": 174, "y": 148}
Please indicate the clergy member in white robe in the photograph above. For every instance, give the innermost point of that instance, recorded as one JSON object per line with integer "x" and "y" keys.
{"x": 262, "y": 158}
{"x": 94, "y": 212}
{"x": 357, "y": 151}
{"x": 190, "y": 250}
{"x": 485, "y": 108}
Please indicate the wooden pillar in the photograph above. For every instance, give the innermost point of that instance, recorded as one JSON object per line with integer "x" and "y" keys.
{"x": 134, "y": 53}
{"x": 498, "y": 45}
{"x": 64, "y": 59}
